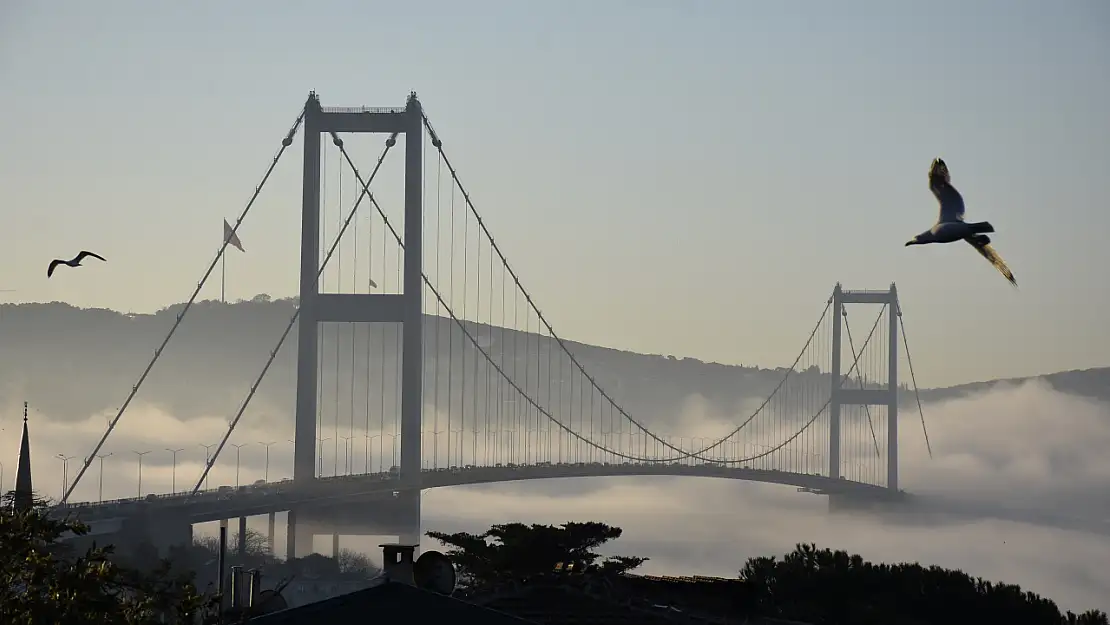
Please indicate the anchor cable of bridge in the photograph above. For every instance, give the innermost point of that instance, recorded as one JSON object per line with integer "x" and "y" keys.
{"x": 859, "y": 376}
{"x": 437, "y": 142}
{"x": 913, "y": 378}
{"x": 683, "y": 454}
{"x": 285, "y": 143}
{"x": 281, "y": 341}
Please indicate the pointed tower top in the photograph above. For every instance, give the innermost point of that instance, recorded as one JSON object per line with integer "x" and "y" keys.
{"x": 23, "y": 495}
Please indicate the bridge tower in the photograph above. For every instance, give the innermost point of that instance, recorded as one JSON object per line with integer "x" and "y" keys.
{"x": 841, "y": 396}
{"x": 405, "y": 308}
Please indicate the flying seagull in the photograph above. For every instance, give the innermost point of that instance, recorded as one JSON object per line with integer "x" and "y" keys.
{"x": 74, "y": 262}
{"x": 950, "y": 224}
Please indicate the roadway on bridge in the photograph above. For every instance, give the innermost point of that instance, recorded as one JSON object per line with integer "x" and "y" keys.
{"x": 263, "y": 498}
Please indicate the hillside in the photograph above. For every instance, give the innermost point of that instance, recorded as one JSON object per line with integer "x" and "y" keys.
{"x": 96, "y": 355}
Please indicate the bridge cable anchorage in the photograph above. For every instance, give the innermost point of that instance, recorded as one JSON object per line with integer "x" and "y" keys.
{"x": 859, "y": 376}
{"x": 273, "y": 354}
{"x": 515, "y": 385}
{"x": 593, "y": 381}
{"x": 913, "y": 378}
{"x": 285, "y": 143}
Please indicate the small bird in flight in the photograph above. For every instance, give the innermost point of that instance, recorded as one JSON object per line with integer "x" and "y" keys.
{"x": 950, "y": 224}
{"x": 74, "y": 262}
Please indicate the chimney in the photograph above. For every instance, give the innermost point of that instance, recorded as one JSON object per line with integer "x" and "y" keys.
{"x": 397, "y": 562}
{"x": 236, "y": 587}
{"x": 254, "y": 578}
{"x": 23, "y": 497}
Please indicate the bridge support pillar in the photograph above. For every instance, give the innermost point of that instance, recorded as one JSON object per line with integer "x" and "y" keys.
{"x": 304, "y": 443}
{"x": 242, "y": 547}
{"x": 410, "y": 518}
{"x": 165, "y": 532}
{"x": 837, "y": 381}
{"x": 412, "y": 359}
{"x": 335, "y": 546}
{"x": 298, "y": 537}
{"x": 270, "y": 522}
{"x": 405, "y": 308}
{"x": 895, "y": 314}
{"x": 887, "y": 397}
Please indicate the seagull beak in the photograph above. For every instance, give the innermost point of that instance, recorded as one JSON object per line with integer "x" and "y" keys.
{"x": 909, "y": 243}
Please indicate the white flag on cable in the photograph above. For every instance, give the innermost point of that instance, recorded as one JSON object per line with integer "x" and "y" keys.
{"x": 232, "y": 238}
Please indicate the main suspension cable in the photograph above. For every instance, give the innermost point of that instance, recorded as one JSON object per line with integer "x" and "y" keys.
{"x": 273, "y": 354}
{"x": 285, "y": 143}
{"x": 551, "y": 330}
{"x": 516, "y": 386}
{"x": 846, "y": 376}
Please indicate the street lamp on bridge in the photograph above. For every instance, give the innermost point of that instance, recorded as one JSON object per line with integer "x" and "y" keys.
{"x": 366, "y": 454}
{"x": 347, "y": 453}
{"x": 237, "y": 447}
{"x": 266, "y": 471}
{"x": 207, "y": 459}
{"x": 140, "y": 454}
{"x": 173, "y": 470}
{"x": 320, "y": 455}
{"x": 65, "y": 471}
{"x": 100, "y": 485}
{"x": 392, "y": 449}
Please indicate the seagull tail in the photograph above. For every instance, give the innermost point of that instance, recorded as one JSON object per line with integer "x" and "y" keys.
{"x": 981, "y": 227}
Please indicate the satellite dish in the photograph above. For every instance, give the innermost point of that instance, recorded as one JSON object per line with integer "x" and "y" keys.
{"x": 433, "y": 571}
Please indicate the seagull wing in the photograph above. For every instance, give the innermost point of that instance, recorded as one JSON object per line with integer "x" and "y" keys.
{"x": 951, "y": 202}
{"x": 992, "y": 256}
{"x": 53, "y": 265}
{"x": 84, "y": 254}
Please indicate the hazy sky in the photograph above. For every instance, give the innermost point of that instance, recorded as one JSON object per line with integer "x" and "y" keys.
{"x": 673, "y": 177}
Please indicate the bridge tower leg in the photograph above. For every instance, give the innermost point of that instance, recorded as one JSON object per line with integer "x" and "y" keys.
{"x": 895, "y": 311}
{"x": 836, "y": 375}
{"x": 882, "y": 397}
{"x": 405, "y": 308}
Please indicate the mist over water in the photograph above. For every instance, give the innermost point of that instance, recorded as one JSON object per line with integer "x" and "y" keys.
{"x": 1014, "y": 447}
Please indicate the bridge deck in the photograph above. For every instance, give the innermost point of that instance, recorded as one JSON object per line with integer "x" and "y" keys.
{"x": 228, "y": 502}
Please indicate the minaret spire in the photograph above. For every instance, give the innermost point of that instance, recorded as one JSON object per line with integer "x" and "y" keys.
{"x": 23, "y": 495}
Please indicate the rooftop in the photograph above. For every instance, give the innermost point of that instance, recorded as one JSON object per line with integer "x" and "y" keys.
{"x": 388, "y": 602}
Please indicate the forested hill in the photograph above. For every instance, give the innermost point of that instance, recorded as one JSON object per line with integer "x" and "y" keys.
{"x": 75, "y": 362}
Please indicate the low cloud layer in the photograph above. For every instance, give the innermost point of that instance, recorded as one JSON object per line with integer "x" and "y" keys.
{"x": 1015, "y": 447}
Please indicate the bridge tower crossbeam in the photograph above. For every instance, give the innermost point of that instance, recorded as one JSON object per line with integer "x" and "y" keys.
{"x": 404, "y": 308}
{"x": 841, "y": 396}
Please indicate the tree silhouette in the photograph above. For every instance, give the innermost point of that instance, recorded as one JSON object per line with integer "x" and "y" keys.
{"x": 41, "y": 581}
{"x": 821, "y": 585}
{"x": 355, "y": 563}
{"x": 515, "y": 551}
{"x": 807, "y": 585}
{"x": 257, "y": 545}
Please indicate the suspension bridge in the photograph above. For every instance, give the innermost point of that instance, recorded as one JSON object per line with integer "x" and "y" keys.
{"x": 423, "y": 361}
